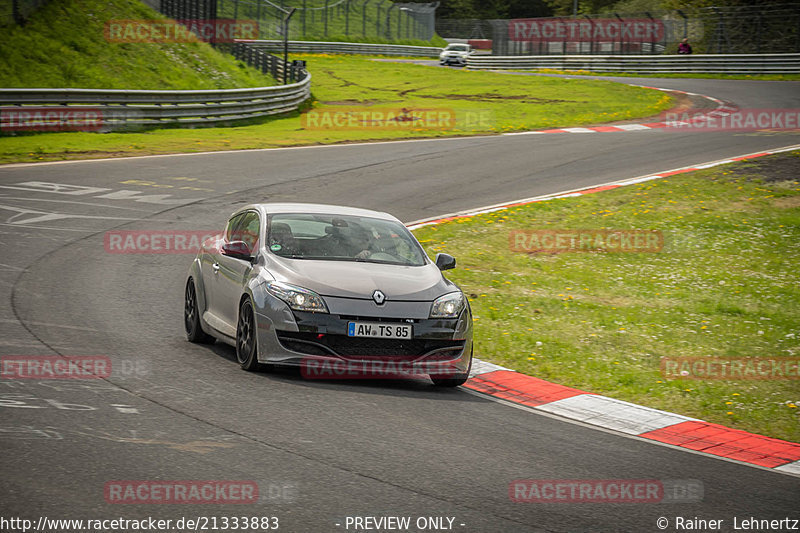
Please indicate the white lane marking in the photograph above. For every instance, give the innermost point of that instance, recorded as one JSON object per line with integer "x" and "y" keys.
{"x": 138, "y": 196}
{"x": 48, "y": 216}
{"x": 11, "y": 267}
{"x": 29, "y": 432}
{"x": 110, "y": 194}
{"x": 632, "y": 127}
{"x": 578, "y": 130}
{"x": 791, "y": 468}
{"x": 714, "y": 164}
{"x": 89, "y": 204}
{"x": 49, "y": 228}
{"x": 611, "y": 413}
{"x": 483, "y": 367}
{"x": 525, "y": 133}
{"x": 58, "y": 188}
{"x": 641, "y": 180}
{"x": 127, "y": 409}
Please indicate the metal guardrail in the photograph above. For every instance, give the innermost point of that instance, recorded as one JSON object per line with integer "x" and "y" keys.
{"x": 713, "y": 64}
{"x": 127, "y": 109}
{"x": 321, "y": 47}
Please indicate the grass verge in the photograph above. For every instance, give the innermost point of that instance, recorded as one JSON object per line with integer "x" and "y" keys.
{"x": 481, "y": 102}
{"x": 726, "y": 284}
{"x": 63, "y": 45}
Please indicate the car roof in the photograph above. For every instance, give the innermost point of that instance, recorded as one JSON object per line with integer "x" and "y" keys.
{"x": 323, "y": 209}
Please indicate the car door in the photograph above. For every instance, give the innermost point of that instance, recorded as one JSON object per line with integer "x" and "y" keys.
{"x": 210, "y": 267}
{"x": 233, "y": 273}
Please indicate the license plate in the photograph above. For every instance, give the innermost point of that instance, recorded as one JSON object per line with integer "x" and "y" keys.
{"x": 379, "y": 330}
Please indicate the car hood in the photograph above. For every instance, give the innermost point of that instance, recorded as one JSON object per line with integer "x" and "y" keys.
{"x": 350, "y": 279}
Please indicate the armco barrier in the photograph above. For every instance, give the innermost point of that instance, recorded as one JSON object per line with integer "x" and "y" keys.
{"x": 126, "y": 109}
{"x": 321, "y": 47}
{"x": 707, "y": 63}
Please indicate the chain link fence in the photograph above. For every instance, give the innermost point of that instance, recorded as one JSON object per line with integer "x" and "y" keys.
{"x": 718, "y": 30}
{"x": 750, "y": 29}
{"x": 374, "y": 20}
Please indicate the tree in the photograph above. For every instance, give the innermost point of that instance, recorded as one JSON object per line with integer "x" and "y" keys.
{"x": 566, "y": 7}
{"x": 492, "y": 9}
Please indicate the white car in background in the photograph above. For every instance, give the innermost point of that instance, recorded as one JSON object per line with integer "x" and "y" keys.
{"x": 455, "y": 53}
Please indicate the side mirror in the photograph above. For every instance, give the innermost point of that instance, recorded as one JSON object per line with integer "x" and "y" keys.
{"x": 237, "y": 250}
{"x": 445, "y": 261}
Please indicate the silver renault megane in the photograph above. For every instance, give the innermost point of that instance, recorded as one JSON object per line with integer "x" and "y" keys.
{"x": 327, "y": 287}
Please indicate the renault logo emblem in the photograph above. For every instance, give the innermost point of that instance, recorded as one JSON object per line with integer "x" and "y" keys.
{"x": 379, "y": 297}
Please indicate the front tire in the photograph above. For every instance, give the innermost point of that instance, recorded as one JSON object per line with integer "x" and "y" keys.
{"x": 191, "y": 317}
{"x": 246, "y": 343}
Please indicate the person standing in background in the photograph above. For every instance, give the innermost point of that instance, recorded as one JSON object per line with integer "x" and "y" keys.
{"x": 685, "y": 47}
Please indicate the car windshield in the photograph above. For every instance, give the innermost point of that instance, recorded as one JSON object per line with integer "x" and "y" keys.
{"x": 342, "y": 238}
{"x": 457, "y": 47}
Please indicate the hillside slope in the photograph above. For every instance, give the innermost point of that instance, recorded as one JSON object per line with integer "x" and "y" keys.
{"x": 63, "y": 45}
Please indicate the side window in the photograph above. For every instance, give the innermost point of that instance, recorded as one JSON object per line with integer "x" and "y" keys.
{"x": 232, "y": 223}
{"x": 247, "y": 229}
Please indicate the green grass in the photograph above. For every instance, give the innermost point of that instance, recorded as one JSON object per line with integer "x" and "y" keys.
{"x": 63, "y": 45}
{"x": 703, "y": 75}
{"x": 501, "y": 103}
{"x": 726, "y": 284}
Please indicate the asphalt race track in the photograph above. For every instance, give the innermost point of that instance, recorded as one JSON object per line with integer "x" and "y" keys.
{"x": 320, "y": 451}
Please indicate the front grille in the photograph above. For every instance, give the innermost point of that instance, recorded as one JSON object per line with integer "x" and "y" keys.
{"x": 344, "y": 346}
{"x": 356, "y": 318}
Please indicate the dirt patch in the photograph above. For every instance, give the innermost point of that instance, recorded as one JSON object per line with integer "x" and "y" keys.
{"x": 406, "y": 91}
{"x": 351, "y": 102}
{"x": 491, "y": 97}
{"x": 346, "y": 83}
{"x": 787, "y": 202}
{"x": 770, "y": 169}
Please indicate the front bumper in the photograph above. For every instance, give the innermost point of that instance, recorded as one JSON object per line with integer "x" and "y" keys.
{"x": 437, "y": 346}
{"x": 458, "y": 60}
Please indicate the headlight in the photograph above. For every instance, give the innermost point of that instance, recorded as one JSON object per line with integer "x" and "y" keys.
{"x": 297, "y": 298}
{"x": 448, "y": 306}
